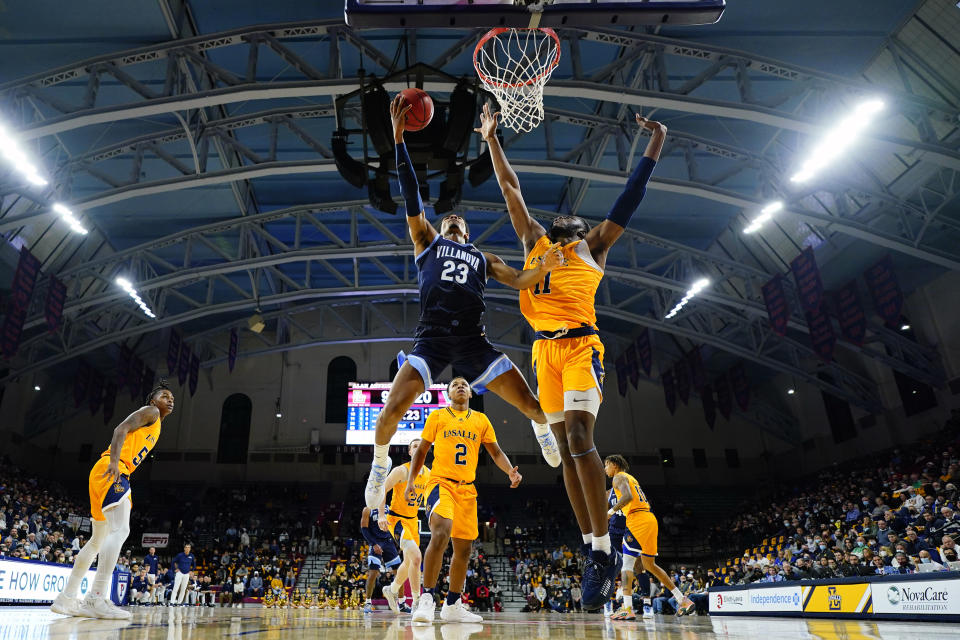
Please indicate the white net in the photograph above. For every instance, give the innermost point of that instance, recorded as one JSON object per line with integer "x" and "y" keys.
{"x": 514, "y": 65}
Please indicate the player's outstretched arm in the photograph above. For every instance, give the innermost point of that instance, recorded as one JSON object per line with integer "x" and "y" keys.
{"x": 398, "y": 474}
{"x": 421, "y": 232}
{"x": 416, "y": 463}
{"x": 623, "y": 487}
{"x": 142, "y": 417}
{"x": 528, "y": 229}
{"x": 602, "y": 236}
{"x": 523, "y": 279}
{"x": 503, "y": 462}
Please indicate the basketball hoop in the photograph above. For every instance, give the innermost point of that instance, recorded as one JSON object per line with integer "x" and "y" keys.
{"x": 514, "y": 65}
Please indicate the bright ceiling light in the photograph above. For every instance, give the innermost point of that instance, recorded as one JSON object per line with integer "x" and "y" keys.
{"x": 790, "y": 392}
{"x": 904, "y": 327}
{"x": 69, "y": 218}
{"x": 765, "y": 214}
{"x": 696, "y": 288}
{"x": 838, "y": 139}
{"x": 14, "y": 155}
{"x": 127, "y": 286}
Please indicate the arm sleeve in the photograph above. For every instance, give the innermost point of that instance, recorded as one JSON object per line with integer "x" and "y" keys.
{"x": 633, "y": 193}
{"x": 409, "y": 188}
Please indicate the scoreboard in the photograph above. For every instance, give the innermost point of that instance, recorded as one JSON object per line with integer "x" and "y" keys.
{"x": 365, "y": 401}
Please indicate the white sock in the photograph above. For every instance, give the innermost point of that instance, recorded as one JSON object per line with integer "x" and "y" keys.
{"x": 677, "y": 594}
{"x": 587, "y": 538}
{"x": 601, "y": 543}
{"x": 540, "y": 429}
{"x": 380, "y": 453}
{"x": 628, "y": 603}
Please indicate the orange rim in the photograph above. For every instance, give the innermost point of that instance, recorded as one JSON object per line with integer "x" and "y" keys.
{"x": 493, "y": 33}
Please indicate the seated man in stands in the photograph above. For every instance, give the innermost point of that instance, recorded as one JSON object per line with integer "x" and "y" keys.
{"x": 256, "y": 586}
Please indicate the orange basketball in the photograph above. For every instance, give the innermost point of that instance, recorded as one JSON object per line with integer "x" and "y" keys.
{"x": 421, "y": 109}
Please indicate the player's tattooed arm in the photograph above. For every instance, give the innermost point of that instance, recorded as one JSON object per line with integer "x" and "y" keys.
{"x": 421, "y": 231}
{"x": 528, "y": 229}
{"x": 527, "y": 278}
{"x": 503, "y": 462}
{"x": 142, "y": 417}
{"x": 623, "y": 487}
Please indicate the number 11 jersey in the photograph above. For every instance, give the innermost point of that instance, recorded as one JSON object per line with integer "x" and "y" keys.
{"x": 456, "y": 438}
{"x": 452, "y": 278}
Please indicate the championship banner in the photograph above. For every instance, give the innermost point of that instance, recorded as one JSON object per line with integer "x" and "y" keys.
{"x": 724, "y": 398}
{"x": 173, "y": 352}
{"x": 645, "y": 351}
{"x": 853, "y": 320}
{"x": 837, "y": 598}
{"x": 740, "y": 385}
{"x": 885, "y": 290}
{"x": 96, "y": 392}
{"x": 158, "y": 540}
{"x": 682, "y": 374}
{"x": 669, "y": 390}
{"x": 822, "y": 338}
{"x": 81, "y": 382}
{"x": 194, "y": 373}
{"x": 136, "y": 373}
{"x": 21, "y": 290}
{"x": 53, "y": 309}
{"x": 146, "y": 385}
{"x": 621, "y": 374}
{"x": 232, "y": 352}
{"x": 698, "y": 377}
{"x": 183, "y": 366}
{"x": 709, "y": 406}
{"x": 777, "y": 308}
{"x": 633, "y": 369}
{"x": 109, "y": 401}
{"x": 807, "y": 276}
{"x": 123, "y": 365}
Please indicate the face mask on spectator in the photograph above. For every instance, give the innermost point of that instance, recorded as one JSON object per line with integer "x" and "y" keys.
{"x": 822, "y": 547}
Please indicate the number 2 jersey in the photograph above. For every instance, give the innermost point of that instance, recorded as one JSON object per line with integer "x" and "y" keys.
{"x": 452, "y": 278}
{"x": 456, "y": 438}
{"x": 398, "y": 502}
{"x": 136, "y": 446}
{"x": 565, "y": 297}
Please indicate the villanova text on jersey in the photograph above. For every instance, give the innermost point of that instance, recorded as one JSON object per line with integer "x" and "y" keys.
{"x": 452, "y": 278}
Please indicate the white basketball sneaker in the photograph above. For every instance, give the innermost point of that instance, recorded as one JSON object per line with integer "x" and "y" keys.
{"x": 66, "y": 606}
{"x": 458, "y": 613}
{"x": 391, "y": 598}
{"x": 458, "y": 631}
{"x": 426, "y": 609}
{"x": 102, "y": 608}
{"x": 374, "y": 493}
{"x": 548, "y": 446}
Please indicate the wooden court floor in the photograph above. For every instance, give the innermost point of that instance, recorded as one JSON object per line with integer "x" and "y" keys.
{"x": 256, "y": 623}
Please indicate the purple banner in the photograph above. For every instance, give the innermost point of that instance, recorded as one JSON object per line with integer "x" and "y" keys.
{"x": 232, "y": 353}
{"x": 95, "y": 399}
{"x": 740, "y": 385}
{"x": 194, "y": 373}
{"x": 621, "y": 363}
{"x": 777, "y": 307}
{"x": 146, "y": 385}
{"x": 807, "y": 276}
{"x": 21, "y": 290}
{"x": 698, "y": 377}
{"x": 136, "y": 373}
{"x": 669, "y": 390}
{"x": 724, "y": 399}
{"x": 885, "y": 290}
{"x": 123, "y": 365}
{"x": 53, "y": 309}
{"x": 173, "y": 352}
{"x": 109, "y": 401}
{"x": 709, "y": 406}
{"x": 682, "y": 373}
{"x": 81, "y": 383}
{"x": 822, "y": 338}
{"x": 853, "y": 320}
{"x": 645, "y": 351}
{"x": 633, "y": 369}
{"x": 183, "y": 367}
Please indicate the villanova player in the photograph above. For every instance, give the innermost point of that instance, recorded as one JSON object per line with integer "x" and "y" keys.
{"x": 567, "y": 352}
{"x": 452, "y": 278}
{"x": 383, "y": 552}
{"x": 110, "y": 505}
{"x": 403, "y": 522}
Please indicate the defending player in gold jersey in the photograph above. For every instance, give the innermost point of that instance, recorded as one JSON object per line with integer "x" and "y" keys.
{"x": 110, "y": 505}
{"x": 567, "y": 352}
{"x": 456, "y": 433}
{"x": 403, "y": 522}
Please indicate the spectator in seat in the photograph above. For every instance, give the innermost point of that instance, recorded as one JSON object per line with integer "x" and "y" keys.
{"x": 883, "y": 530}
{"x": 926, "y": 559}
{"x": 482, "y": 595}
{"x": 895, "y": 522}
{"x": 879, "y": 568}
{"x": 880, "y": 509}
{"x": 772, "y": 575}
{"x": 914, "y": 543}
{"x": 902, "y": 564}
{"x": 256, "y": 585}
{"x": 947, "y": 547}
{"x": 852, "y": 513}
{"x": 541, "y": 594}
{"x": 576, "y": 596}
{"x": 789, "y": 573}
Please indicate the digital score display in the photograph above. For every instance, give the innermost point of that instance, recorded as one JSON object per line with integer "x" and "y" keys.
{"x": 365, "y": 401}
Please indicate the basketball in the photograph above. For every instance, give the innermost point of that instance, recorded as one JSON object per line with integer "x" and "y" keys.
{"x": 421, "y": 109}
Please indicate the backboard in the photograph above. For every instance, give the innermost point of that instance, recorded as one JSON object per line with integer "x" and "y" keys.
{"x": 465, "y": 14}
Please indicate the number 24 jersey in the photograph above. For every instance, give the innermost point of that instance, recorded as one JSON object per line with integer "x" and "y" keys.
{"x": 456, "y": 438}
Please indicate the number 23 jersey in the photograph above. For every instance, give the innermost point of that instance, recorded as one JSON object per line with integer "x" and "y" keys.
{"x": 456, "y": 438}
{"x": 452, "y": 278}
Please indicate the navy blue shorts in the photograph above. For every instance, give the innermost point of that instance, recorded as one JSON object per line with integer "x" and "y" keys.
{"x": 472, "y": 356}
{"x": 390, "y": 556}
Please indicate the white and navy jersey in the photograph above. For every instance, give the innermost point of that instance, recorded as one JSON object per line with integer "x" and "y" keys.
{"x": 452, "y": 279}
{"x": 618, "y": 521}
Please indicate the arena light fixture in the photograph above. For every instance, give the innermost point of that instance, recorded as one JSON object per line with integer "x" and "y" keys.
{"x": 791, "y": 391}
{"x": 36, "y": 387}
{"x": 765, "y": 214}
{"x": 838, "y": 139}
{"x": 697, "y": 287}
{"x": 69, "y": 218}
{"x": 127, "y": 286}
{"x": 11, "y": 151}
{"x": 904, "y": 327}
